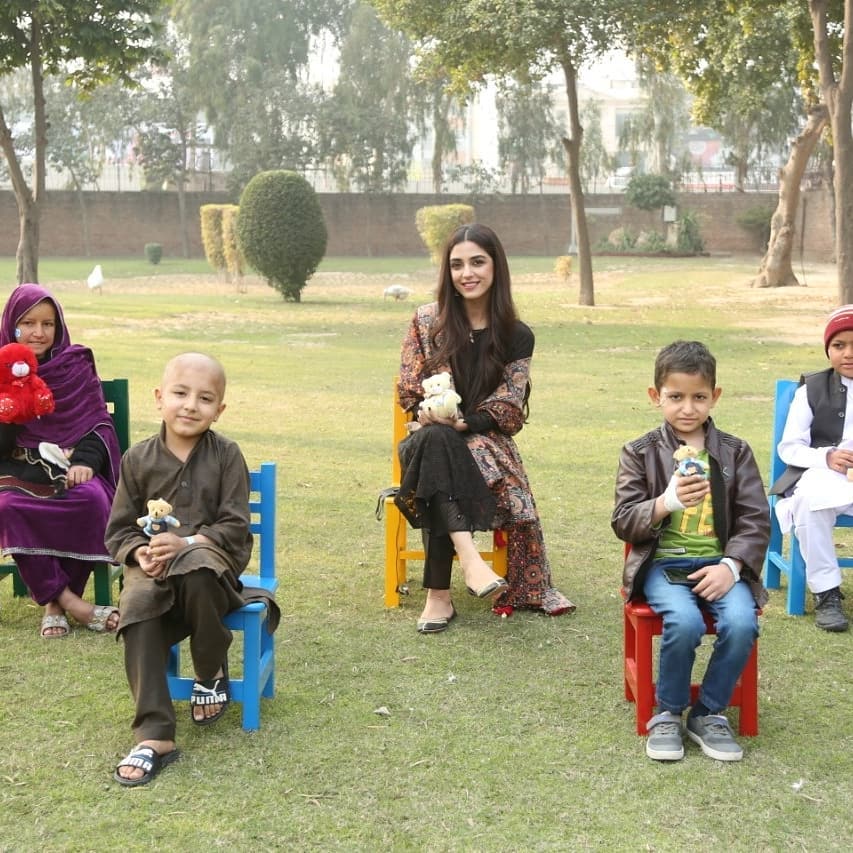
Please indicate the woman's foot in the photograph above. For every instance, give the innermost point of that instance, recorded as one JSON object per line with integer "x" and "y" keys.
{"x": 437, "y": 613}
{"x": 140, "y": 767}
{"x": 479, "y": 577}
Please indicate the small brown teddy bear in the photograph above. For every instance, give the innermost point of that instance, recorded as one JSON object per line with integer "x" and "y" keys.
{"x": 688, "y": 462}
{"x": 158, "y": 519}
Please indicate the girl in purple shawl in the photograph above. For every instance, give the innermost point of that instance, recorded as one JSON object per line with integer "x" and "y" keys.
{"x": 54, "y": 504}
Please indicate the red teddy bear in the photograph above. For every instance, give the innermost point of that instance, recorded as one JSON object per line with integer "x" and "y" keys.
{"x": 24, "y": 395}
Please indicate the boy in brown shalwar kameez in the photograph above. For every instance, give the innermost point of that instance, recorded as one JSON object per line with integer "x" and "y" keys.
{"x": 180, "y": 583}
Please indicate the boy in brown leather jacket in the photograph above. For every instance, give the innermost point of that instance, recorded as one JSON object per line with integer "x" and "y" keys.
{"x": 697, "y": 543}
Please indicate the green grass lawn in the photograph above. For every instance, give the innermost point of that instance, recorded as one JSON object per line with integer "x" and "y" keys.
{"x": 502, "y": 735}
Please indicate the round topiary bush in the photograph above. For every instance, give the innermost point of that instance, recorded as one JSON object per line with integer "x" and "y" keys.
{"x": 280, "y": 230}
{"x": 154, "y": 253}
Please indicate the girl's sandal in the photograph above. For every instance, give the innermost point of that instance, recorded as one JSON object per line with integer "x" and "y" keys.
{"x": 50, "y": 622}
{"x": 100, "y": 619}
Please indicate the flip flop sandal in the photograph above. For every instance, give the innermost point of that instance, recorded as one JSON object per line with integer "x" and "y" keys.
{"x": 146, "y": 759}
{"x": 101, "y": 617}
{"x": 214, "y": 691}
{"x": 54, "y": 620}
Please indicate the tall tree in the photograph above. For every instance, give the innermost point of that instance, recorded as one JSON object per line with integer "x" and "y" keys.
{"x": 86, "y": 41}
{"x": 661, "y": 125}
{"x": 366, "y": 131}
{"x": 84, "y": 128}
{"x": 595, "y": 161}
{"x": 528, "y": 133}
{"x": 835, "y": 76}
{"x": 742, "y": 60}
{"x": 168, "y": 129}
{"x": 439, "y": 112}
{"x": 526, "y": 37}
{"x": 249, "y": 68}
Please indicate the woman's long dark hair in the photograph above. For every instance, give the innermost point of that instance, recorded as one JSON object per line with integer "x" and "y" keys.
{"x": 452, "y": 331}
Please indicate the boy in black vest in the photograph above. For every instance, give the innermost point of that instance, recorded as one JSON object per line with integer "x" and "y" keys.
{"x": 817, "y": 446}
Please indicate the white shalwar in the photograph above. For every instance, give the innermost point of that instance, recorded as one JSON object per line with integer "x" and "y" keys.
{"x": 820, "y": 495}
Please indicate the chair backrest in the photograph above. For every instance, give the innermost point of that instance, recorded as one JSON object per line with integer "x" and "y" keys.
{"x": 785, "y": 389}
{"x": 262, "y": 506}
{"x": 117, "y": 397}
{"x": 398, "y": 433}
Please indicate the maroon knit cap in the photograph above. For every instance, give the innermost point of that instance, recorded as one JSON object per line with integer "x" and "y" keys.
{"x": 840, "y": 320}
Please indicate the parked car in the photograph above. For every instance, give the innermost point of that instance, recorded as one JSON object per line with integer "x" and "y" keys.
{"x": 619, "y": 179}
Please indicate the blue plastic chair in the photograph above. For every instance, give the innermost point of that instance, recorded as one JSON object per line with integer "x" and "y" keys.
{"x": 258, "y": 647}
{"x": 779, "y": 558}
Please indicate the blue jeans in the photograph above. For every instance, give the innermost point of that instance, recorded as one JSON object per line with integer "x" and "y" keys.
{"x": 683, "y": 629}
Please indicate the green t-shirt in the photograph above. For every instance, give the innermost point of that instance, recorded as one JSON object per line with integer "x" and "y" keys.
{"x": 691, "y": 531}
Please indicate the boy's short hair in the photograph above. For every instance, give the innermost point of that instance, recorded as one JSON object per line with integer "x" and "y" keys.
{"x": 685, "y": 357}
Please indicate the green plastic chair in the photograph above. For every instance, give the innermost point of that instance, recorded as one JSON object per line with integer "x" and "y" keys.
{"x": 117, "y": 396}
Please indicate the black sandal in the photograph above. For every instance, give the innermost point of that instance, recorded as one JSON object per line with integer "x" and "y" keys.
{"x": 214, "y": 691}
{"x": 146, "y": 759}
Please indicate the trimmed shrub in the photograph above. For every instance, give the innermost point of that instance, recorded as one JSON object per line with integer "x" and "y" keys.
{"x": 154, "y": 253}
{"x": 649, "y": 192}
{"x": 211, "y": 235}
{"x": 563, "y": 267}
{"x": 651, "y": 242}
{"x": 621, "y": 239}
{"x": 689, "y": 240}
{"x": 280, "y": 230}
{"x": 234, "y": 262}
{"x": 437, "y": 222}
{"x": 756, "y": 220}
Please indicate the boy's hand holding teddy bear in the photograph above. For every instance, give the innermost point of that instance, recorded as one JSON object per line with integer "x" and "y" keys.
{"x": 688, "y": 464}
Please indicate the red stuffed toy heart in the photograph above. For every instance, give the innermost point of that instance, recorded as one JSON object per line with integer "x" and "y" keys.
{"x": 24, "y": 395}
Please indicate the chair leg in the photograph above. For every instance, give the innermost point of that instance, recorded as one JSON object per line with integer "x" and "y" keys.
{"x": 103, "y": 584}
{"x": 796, "y": 580}
{"x": 395, "y": 543}
{"x": 645, "y": 673}
{"x": 251, "y": 674}
{"x": 19, "y": 588}
{"x": 749, "y": 695}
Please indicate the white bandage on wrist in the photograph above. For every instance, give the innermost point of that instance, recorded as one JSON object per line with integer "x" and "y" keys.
{"x": 728, "y": 561}
{"x": 670, "y": 498}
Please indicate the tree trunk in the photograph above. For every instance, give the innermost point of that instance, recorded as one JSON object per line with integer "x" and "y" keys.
{"x": 776, "y": 268}
{"x": 28, "y": 214}
{"x": 837, "y": 94}
{"x": 572, "y": 144}
{"x": 30, "y": 217}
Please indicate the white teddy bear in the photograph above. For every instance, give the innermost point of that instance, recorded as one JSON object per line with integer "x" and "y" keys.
{"x": 440, "y": 399}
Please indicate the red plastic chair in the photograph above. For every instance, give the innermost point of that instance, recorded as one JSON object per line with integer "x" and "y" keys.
{"x": 641, "y": 625}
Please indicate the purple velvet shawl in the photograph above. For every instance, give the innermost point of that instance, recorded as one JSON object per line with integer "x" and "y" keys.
{"x": 69, "y": 371}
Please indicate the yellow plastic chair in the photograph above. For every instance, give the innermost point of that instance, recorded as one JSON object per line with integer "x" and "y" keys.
{"x": 397, "y": 550}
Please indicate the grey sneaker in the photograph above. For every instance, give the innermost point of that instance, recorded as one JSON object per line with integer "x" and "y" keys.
{"x": 714, "y": 734}
{"x": 828, "y": 612}
{"x": 665, "y": 738}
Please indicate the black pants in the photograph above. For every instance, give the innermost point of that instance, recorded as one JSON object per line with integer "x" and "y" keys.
{"x": 445, "y": 519}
